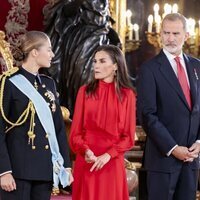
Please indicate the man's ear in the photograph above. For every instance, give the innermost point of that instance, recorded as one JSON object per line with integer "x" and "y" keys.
{"x": 187, "y": 35}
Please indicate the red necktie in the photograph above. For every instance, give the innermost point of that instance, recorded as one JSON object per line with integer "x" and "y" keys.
{"x": 183, "y": 81}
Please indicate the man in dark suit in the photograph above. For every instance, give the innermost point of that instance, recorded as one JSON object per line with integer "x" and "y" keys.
{"x": 169, "y": 111}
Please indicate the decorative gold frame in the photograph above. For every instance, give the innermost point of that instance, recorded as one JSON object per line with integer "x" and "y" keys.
{"x": 5, "y": 51}
{"x": 118, "y": 11}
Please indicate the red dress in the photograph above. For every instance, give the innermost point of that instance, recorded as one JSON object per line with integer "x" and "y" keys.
{"x": 103, "y": 124}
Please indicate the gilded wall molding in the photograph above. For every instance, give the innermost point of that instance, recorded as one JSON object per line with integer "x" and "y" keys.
{"x": 5, "y": 53}
{"x": 118, "y": 12}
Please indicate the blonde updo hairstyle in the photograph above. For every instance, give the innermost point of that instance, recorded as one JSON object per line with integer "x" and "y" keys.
{"x": 31, "y": 40}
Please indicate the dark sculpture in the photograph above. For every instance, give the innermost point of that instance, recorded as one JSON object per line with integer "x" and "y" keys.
{"x": 76, "y": 28}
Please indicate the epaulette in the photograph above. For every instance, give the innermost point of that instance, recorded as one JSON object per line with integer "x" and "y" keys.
{"x": 30, "y": 110}
{"x": 9, "y": 72}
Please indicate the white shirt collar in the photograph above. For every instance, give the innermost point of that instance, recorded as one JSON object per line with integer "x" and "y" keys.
{"x": 171, "y": 56}
{"x": 173, "y": 64}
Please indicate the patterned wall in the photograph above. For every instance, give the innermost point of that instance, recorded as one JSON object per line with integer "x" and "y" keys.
{"x": 19, "y": 16}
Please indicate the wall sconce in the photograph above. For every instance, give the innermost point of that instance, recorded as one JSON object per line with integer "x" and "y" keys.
{"x": 192, "y": 45}
{"x": 154, "y": 23}
{"x": 132, "y": 41}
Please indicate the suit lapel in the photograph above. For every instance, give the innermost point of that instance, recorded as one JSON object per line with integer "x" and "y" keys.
{"x": 192, "y": 79}
{"x": 170, "y": 76}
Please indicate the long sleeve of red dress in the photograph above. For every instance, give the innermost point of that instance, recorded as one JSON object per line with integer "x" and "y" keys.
{"x": 126, "y": 140}
{"x": 77, "y": 142}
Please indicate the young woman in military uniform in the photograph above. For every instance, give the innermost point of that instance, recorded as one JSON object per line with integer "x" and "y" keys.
{"x": 34, "y": 153}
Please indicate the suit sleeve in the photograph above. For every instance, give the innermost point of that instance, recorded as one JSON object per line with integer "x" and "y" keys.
{"x": 5, "y": 165}
{"x": 147, "y": 99}
{"x": 126, "y": 140}
{"x": 196, "y": 63}
{"x": 77, "y": 142}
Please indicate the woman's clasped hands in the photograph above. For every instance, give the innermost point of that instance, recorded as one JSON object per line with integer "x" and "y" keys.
{"x": 99, "y": 161}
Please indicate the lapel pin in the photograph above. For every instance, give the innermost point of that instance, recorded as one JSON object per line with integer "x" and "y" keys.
{"x": 196, "y": 75}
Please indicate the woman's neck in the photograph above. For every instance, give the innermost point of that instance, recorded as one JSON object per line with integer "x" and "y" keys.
{"x": 30, "y": 67}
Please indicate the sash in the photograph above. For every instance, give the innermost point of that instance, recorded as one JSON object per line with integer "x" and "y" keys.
{"x": 45, "y": 116}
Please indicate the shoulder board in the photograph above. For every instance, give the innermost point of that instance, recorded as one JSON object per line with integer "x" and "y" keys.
{"x": 9, "y": 72}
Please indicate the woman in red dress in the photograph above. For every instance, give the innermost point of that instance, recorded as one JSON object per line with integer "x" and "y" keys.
{"x": 103, "y": 129}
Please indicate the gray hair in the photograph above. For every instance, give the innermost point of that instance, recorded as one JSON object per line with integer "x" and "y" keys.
{"x": 175, "y": 17}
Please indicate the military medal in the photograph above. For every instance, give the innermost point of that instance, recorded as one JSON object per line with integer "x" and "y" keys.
{"x": 52, "y": 99}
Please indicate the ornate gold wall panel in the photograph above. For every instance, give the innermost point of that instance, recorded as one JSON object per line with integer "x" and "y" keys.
{"x": 118, "y": 11}
{"x": 5, "y": 51}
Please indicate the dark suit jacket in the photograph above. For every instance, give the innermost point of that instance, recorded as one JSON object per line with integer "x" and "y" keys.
{"x": 164, "y": 113}
{"x": 15, "y": 152}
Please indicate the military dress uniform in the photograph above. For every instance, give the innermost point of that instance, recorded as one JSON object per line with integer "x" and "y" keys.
{"x": 29, "y": 157}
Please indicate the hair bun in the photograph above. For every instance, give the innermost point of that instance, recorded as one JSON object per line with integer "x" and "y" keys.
{"x": 18, "y": 54}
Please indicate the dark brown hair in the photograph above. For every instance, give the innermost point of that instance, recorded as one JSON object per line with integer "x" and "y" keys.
{"x": 31, "y": 40}
{"x": 121, "y": 79}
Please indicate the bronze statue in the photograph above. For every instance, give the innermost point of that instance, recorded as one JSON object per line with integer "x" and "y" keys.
{"x": 76, "y": 28}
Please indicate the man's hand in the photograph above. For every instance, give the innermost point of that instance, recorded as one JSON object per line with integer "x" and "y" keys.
{"x": 181, "y": 153}
{"x": 194, "y": 150}
{"x": 7, "y": 182}
{"x": 100, "y": 162}
{"x": 89, "y": 156}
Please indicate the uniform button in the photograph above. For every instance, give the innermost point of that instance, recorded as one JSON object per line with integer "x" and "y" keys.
{"x": 46, "y": 136}
{"x": 33, "y": 147}
{"x": 46, "y": 146}
{"x": 43, "y": 85}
